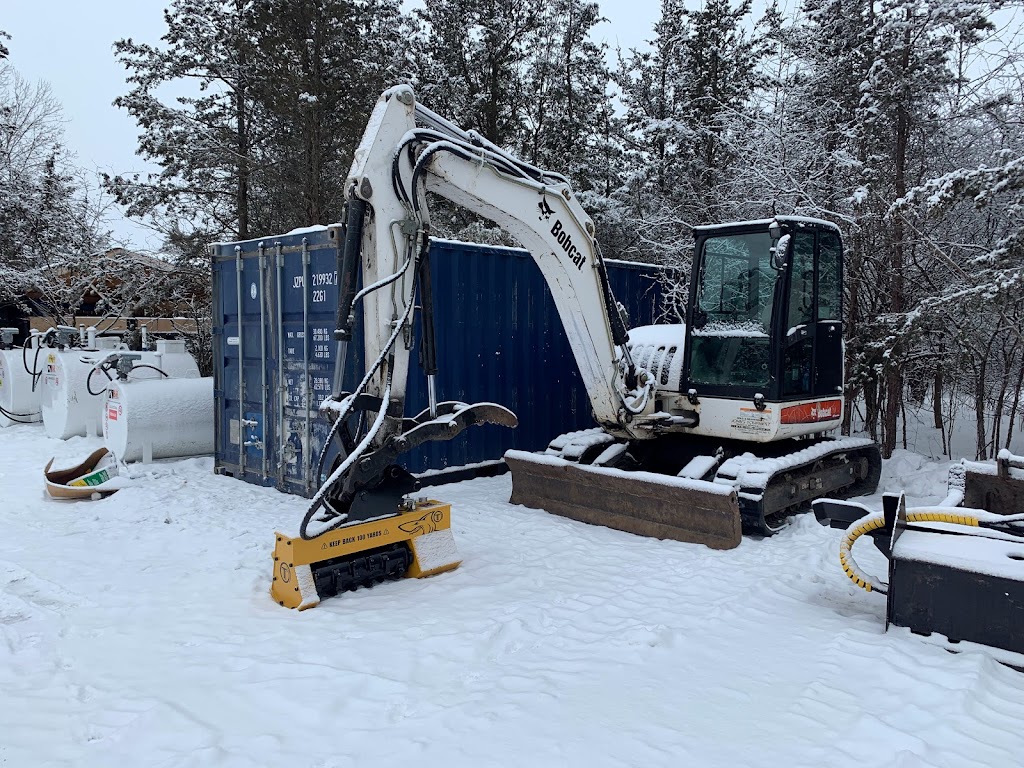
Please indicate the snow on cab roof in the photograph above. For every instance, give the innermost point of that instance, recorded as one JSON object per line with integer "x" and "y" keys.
{"x": 800, "y": 220}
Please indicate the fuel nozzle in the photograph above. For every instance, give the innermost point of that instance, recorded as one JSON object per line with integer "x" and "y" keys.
{"x": 7, "y": 337}
{"x": 125, "y": 364}
{"x": 64, "y": 336}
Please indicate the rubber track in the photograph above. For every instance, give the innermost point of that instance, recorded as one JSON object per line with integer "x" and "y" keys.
{"x": 753, "y": 514}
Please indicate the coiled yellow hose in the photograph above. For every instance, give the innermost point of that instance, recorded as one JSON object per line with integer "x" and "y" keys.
{"x": 873, "y": 523}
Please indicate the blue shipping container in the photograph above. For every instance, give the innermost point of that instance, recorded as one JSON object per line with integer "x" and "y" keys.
{"x": 499, "y": 339}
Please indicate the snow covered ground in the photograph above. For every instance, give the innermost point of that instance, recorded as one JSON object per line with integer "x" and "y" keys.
{"x": 138, "y": 631}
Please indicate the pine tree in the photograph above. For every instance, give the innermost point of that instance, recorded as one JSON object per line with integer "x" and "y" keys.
{"x": 277, "y": 96}
{"x": 568, "y": 108}
{"x": 204, "y": 142}
{"x": 721, "y": 61}
{"x": 476, "y": 56}
{"x": 323, "y": 64}
{"x": 685, "y": 105}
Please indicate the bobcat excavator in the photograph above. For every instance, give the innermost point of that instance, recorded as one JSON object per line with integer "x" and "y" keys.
{"x": 703, "y": 429}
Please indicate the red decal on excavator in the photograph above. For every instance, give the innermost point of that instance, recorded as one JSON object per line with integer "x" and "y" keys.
{"x": 809, "y": 413}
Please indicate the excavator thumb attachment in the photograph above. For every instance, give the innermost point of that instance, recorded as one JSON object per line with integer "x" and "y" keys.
{"x": 644, "y": 503}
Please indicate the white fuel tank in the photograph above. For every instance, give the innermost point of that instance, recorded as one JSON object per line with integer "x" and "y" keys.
{"x": 159, "y": 418}
{"x": 19, "y": 403}
{"x": 66, "y": 403}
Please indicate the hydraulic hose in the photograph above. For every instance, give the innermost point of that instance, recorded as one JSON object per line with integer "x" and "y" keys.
{"x": 370, "y": 372}
{"x": 875, "y": 522}
{"x": 318, "y": 499}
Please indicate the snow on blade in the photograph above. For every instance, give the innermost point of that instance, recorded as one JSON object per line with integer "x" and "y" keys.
{"x": 436, "y": 550}
{"x": 670, "y": 481}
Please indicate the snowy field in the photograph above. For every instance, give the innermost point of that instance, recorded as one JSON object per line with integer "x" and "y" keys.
{"x": 138, "y": 631}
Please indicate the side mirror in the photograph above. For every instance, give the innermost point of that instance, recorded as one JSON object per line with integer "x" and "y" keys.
{"x": 780, "y": 252}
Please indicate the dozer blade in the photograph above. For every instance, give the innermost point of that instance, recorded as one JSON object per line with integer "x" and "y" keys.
{"x": 644, "y": 503}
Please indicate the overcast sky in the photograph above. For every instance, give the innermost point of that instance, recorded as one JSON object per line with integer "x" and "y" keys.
{"x": 69, "y": 44}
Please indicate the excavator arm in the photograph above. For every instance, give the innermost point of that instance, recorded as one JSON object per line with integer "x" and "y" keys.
{"x": 397, "y": 162}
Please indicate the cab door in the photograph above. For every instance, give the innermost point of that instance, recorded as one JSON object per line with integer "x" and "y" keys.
{"x": 799, "y": 328}
{"x": 828, "y": 344}
{"x": 812, "y": 341}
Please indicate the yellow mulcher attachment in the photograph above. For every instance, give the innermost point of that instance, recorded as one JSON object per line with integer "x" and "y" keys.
{"x": 416, "y": 542}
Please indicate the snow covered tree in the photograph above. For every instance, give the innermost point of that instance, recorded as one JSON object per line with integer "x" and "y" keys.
{"x": 865, "y": 97}
{"x": 49, "y": 224}
{"x": 528, "y": 76}
{"x": 970, "y": 220}
{"x": 898, "y": 120}
{"x": 203, "y": 142}
{"x": 567, "y": 80}
{"x": 322, "y": 65}
{"x": 685, "y": 103}
{"x": 274, "y": 98}
{"x": 475, "y": 61}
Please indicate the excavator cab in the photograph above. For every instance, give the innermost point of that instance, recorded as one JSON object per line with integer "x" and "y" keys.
{"x": 765, "y": 312}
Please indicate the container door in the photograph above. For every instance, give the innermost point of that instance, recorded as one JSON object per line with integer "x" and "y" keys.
{"x": 241, "y": 367}
{"x": 309, "y": 299}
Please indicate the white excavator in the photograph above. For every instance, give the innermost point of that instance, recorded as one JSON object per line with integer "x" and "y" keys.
{"x": 702, "y": 430}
